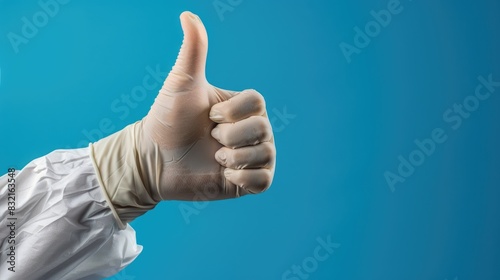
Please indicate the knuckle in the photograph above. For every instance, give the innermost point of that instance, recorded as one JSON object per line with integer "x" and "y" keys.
{"x": 251, "y": 91}
{"x": 268, "y": 152}
{"x": 256, "y": 97}
{"x": 267, "y": 179}
{"x": 264, "y": 130}
{"x": 255, "y": 100}
{"x": 259, "y": 102}
{"x": 261, "y": 123}
{"x": 262, "y": 184}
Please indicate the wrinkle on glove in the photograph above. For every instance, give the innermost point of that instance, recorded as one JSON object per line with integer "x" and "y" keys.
{"x": 64, "y": 227}
{"x": 116, "y": 160}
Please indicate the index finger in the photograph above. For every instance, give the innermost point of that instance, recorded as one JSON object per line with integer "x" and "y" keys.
{"x": 239, "y": 107}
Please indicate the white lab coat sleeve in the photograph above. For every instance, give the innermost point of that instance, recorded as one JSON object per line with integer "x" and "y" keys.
{"x": 63, "y": 227}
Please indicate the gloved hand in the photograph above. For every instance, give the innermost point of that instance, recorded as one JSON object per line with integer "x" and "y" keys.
{"x": 197, "y": 141}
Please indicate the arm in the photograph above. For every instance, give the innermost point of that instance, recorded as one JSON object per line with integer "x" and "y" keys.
{"x": 196, "y": 139}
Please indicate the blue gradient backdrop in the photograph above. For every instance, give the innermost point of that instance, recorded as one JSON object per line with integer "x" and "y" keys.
{"x": 345, "y": 126}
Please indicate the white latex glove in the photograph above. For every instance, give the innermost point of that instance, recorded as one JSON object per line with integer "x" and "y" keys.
{"x": 197, "y": 141}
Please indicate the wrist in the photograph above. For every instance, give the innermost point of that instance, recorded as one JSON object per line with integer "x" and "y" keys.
{"x": 116, "y": 161}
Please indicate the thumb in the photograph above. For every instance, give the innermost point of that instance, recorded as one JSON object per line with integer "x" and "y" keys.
{"x": 190, "y": 64}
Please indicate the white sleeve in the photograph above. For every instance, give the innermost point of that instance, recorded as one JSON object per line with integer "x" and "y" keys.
{"x": 62, "y": 226}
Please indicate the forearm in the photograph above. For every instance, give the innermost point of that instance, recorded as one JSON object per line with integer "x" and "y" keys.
{"x": 64, "y": 228}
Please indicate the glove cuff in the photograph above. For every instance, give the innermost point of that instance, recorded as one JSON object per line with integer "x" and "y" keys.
{"x": 117, "y": 165}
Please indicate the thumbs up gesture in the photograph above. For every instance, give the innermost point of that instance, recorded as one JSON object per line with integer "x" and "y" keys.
{"x": 197, "y": 142}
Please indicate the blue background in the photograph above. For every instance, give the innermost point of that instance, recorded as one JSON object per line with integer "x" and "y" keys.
{"x": 350, "y": 123}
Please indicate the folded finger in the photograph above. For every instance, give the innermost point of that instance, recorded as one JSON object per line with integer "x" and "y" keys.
{"x": 258, "y": 156}
{"x": 250, "y": 131}
{"x": 239, "y": 107}
{"x": 252, "y": 180}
